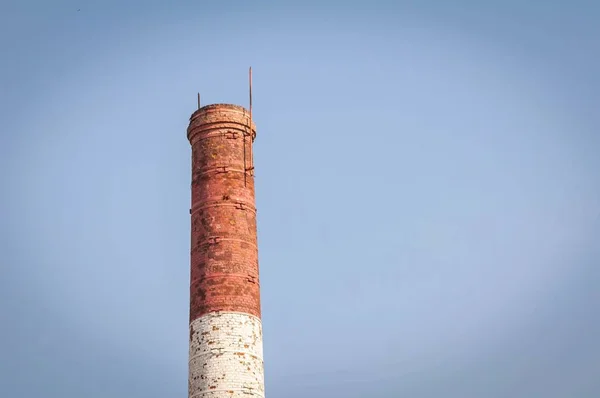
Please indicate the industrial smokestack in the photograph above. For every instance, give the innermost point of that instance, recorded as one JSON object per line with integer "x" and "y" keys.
{"x": 226, "y": 351}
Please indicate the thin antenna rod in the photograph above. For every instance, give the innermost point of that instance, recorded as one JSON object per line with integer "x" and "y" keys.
{"x": 246, "y": 169}
{"x": 198, "y": 100}
{"x": 250, "y": 84}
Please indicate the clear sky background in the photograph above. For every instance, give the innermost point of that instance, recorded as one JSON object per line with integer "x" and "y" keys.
{"x": 428, "y": 186}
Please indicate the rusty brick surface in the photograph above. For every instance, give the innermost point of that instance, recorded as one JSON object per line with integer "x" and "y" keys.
{"x": 224, "y": 254}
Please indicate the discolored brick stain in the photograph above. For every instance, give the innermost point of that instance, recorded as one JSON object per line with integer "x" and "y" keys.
{"x": 225, "y": 327}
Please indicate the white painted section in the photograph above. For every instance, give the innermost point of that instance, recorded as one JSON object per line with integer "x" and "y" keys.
{"x": 226, "y": 356}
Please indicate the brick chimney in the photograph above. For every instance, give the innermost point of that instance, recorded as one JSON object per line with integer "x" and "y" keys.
{"x": 226, "y": 351}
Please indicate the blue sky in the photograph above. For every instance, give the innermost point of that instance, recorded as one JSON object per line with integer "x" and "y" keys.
{"x": 428, "y": 186}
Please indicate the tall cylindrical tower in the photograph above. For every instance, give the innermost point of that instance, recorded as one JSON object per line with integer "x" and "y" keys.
{"x": 226, "y": 352}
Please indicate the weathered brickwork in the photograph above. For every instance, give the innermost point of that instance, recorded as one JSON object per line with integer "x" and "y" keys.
{"x": 226, "y": 356}
{"x": 224, "y": 254}
{"x": 225, "y": 329}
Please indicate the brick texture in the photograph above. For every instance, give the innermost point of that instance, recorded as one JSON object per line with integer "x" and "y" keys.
{"x": 225, "y": 327}
{"x": 226, "y": 356}
{"x": 224, "y": 254}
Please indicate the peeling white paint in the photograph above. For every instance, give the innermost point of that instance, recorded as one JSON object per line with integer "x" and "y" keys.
{"x": 226, "y": 356}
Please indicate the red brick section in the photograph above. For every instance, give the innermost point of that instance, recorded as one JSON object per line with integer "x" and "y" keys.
{"x": 224, "y": 254}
